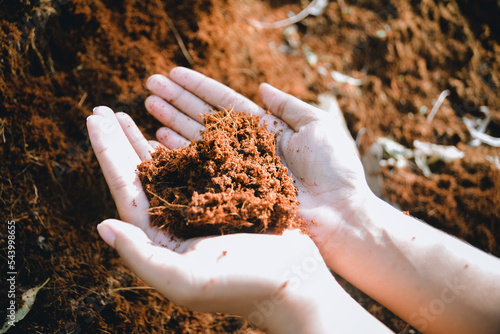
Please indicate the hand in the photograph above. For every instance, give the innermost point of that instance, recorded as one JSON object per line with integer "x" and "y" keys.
{"x": 311, "y": 142}
{"x": 280, "y": 283}
{"x": 267, "y": 278}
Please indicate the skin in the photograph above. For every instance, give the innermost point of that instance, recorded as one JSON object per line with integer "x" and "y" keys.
{"x": 436, "y": 282}
{"x": 281, "y": 286}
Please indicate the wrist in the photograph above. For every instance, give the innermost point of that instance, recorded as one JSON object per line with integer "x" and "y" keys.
{"x": 331, "y": 222}
{"x": 313, "y": 302}
{"x": 345, "y": 231}
{"x": 321, "y": 306}
{"x": 302, "y": 304}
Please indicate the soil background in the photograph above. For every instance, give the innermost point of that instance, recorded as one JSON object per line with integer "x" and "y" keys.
{"x": 60, "y": 58}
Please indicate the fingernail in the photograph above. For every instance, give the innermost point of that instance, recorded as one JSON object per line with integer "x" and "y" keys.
{"x": 107, "y": 234}
{"x": 149, "y": 81}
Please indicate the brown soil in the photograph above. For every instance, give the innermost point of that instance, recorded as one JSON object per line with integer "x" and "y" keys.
{"x": 59, "y": 59}
{"x": 230, "y": 181}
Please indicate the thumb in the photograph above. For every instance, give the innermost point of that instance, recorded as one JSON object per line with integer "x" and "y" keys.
{"x": 291, "y": 110}
{"x": 158, "y": 266}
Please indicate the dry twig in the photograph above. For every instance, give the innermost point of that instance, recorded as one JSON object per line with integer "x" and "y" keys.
{"x": 438, "y": 104}
{"x": 316, "y": 7}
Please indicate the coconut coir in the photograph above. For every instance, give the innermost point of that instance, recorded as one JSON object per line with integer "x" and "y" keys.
{"x": 230, "y": 181}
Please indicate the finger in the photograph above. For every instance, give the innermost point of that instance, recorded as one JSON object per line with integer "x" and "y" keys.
{"x": 111, "y": 121}
{"x": 293, "y": 111}
{"x": 177, "y": 96}
{"x": 158, "y": 266}
{"x": 173, "y": 118}
{"x": 170, "y": 138}
{"x": 118, "y": 161}
{"x": 213, "y": 92}
{"x": 135, "y": 136}
{"x": 154, "y": 144}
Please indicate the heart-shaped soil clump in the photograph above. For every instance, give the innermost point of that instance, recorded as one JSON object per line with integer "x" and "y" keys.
{"x": 229, "y": 181}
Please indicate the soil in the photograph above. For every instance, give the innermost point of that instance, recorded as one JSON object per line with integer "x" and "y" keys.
{"x": 59, "y": 59}
{"x": 229, "y": 181}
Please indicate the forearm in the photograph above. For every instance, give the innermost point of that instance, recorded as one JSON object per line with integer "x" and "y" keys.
{"x": 436, "y": 282}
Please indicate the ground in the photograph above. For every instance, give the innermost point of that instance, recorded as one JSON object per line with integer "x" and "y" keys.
{"x": 59, "y": 59}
